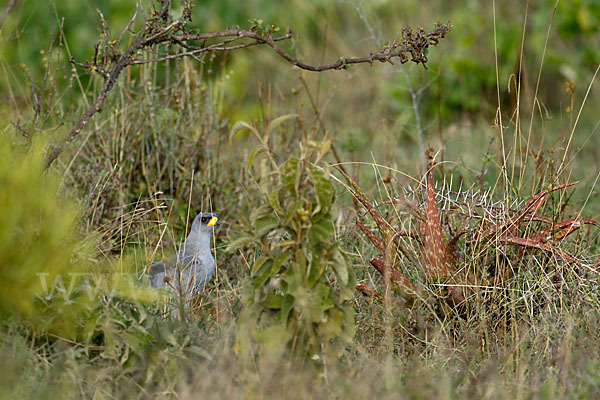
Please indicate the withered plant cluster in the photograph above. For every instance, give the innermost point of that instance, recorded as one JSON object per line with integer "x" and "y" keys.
{"x": 463, "y": 250}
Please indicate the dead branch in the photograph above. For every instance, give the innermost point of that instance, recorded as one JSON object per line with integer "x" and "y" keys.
{"x": 158, "y": 29}
{"x": 11, "y": 4}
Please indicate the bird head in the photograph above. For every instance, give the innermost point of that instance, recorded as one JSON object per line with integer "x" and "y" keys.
{"x": 205, "y": 222}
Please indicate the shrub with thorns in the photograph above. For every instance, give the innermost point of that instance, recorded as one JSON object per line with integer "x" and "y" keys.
{"x": 463, "y": 249}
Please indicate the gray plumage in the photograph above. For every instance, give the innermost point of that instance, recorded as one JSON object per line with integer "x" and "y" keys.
{"x": 188, "y": 270}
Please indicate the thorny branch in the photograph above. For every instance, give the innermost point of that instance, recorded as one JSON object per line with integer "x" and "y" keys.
{"x": 109, "y": 61}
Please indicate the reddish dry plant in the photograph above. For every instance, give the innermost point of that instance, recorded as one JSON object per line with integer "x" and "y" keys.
{"x": 439, "y": 260}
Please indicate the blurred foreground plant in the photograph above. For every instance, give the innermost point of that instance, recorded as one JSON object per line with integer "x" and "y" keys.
{"x": 37, "y": 229}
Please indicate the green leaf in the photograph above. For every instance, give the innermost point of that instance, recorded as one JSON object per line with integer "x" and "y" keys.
{"x": 290, "y": 176}
{"x": 273, "y": 201}
{"x": 240, "y": 126}
{"x": 280, "y": 120}
{"x": 316, "y": 270}
{"x": 260, "y": 212}
{"x": 253, "y": 153}
{"x": 240, "y": 242}
{"x": 274, "y": 301}
{"x": 324, "y": 190}
{"x": 322, "y": 231}
{"x": 167, "y": 335}
{"x": 273, "y": 339}
{"x": 110, "y": 347}
{"x": 199, "y": 351}
{"x": 345, "y": 276}
{"x": 259, "y": 263}
{"x": 341, "y": 268}
{"x": 292, "y": 210}
{"x": 286, "y": 307}
{"x": 281, "y": 259}
{"x": 261, "y": 272}
{"x": 248, "y": 292}
{"x": 90, "y": 329}
{"x": 265, "y": 225}
{"x": 317, "y": 303}
{"x": 300, "y": 264}
{"x": 333, "y": 325}
{"x": 135, "y": 341}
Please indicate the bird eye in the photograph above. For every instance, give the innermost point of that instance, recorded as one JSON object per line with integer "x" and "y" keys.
{"x": 204, "y": 220}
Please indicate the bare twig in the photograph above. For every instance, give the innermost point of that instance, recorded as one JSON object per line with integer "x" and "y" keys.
{"x": 11, "y": 4}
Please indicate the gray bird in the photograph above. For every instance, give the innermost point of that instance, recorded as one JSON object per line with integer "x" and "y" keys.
{"x": 188, "y": 270}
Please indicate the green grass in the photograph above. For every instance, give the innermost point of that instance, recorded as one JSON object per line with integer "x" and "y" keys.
{"x": 123, "y": 193}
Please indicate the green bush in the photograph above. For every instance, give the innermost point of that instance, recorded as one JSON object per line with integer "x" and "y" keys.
{"x": 37, "y": 235}
{"x": 290, "y": 301}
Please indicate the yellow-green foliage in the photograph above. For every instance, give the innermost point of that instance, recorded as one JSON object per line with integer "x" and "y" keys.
{"x": 36, "y": 227}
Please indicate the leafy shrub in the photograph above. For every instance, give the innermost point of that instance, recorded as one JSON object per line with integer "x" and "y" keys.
{"x": 290, "y": 300}
{"x": 38, "y": 238}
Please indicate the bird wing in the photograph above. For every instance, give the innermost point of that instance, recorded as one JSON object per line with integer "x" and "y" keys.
{"x": 195, "y": 272}
{"x": 157, "y": 268}
{"x": 191, "y": 273}
{"x": 160, "y": 273}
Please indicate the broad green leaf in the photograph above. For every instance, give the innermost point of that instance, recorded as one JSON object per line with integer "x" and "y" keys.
{"x": 317, "y": 302}
{"x": 110, "y": 347}
{"x": 324, "y": 190}
{"x": 286, "y": 307}
{"x": 259, "y": 263}
{"x": 290, "y": 176}
{"x": 280, "y": 120}
{"x": 253, "y": 153}
{"x": 90, "y": 329}
{"x": 167, "y": 335}
{"x": 240, "y": 242}
{"x": 273, "y": 339}
{"x": 322, "y": 231}
{"x": 293, "y": 210}
{"x": 274, "y": 301}
{"x": 273, "y": 201}
{"x": 247, "y": 292}
{"x": 262, "y": 273}
{"x": 239, "y": 127}
{"x": 333, "y": 325}
{"x": 135, "y": 341}
{"x": 281, "y": 259}
{"x": 260, "y": 212}
{"x": 316, "y": 270}
{"x": 265, "y": 225}
{"x": 345, "y": 276}
{"x": 199, "y": 351}
{"x": 300, "y": 264}
{"x": 341, "y": 268}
